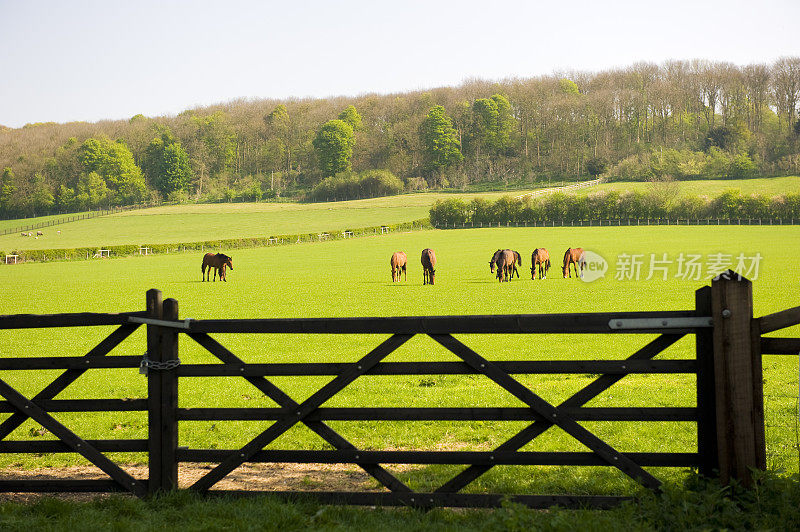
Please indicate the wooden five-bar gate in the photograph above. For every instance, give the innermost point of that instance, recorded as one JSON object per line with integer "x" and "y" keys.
{"x": 729, "y": 412}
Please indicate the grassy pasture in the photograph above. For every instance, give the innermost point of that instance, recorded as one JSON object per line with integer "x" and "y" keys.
{"x": 352, "y": 278}
{"x": 768, "y": 186}
{"x": 189, "y": 223}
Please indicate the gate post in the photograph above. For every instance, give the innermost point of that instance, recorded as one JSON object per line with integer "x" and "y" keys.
{"x": 706, "y": 399}
{"x": 162, "y": 394}
{"x": 738, "y": 383}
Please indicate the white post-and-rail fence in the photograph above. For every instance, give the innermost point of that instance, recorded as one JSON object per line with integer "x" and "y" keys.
{"x": 729, "y": 414}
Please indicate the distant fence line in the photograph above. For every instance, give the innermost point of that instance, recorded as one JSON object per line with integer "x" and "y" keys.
{"x": 126, "y": 250}
{"x": 573, "y": 186}
{"x": 616, "y": 222}
{"x": 76, "y": 217}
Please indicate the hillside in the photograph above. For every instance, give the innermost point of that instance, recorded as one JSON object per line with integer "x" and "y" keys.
{"x": 684, "y": 119}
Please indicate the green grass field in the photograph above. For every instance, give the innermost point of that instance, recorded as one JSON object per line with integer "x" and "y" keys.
{"x": 768, "y": 186}
{"x": 192, "y": 223}
{"x": 352, "y": 278}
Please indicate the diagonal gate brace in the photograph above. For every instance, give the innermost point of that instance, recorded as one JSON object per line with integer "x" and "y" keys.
{"x": 30, "y": 409}
{"x": 68, "y": 377}
{"x": 581, "y": 397}
{"x": 283, "y": 400}
{"x": 548, "y": 411}
{"x": 303, "y": 409}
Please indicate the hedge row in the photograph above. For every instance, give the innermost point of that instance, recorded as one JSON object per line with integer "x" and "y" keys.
{"x": 83, "y": 253}
{"x": 560, "y": 207}
{"x": 370, "y": 184}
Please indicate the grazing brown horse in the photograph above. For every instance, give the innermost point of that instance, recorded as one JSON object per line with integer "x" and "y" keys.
{"x": 218, "y": 262}
{"x": 575, "y": 257}
{"x": 505, "y": 261}
{"x": 428, "y": 266}
{"x": 398, "y": 263}
{"x": 517, "y": 260}
{"x": 541, "y": 258}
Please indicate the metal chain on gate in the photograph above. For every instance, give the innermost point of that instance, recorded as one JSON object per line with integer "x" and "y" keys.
{"x": 147, "y": 364}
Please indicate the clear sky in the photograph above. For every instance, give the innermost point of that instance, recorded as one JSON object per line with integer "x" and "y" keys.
{"x": 91, "y": 60}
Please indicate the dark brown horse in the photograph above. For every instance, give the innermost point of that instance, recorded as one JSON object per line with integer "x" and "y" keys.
{"x": 518, "y": 260}
{"x": 218, "y": 262}
{"x": 428, "y": 266}
{"x": 398, "y": 263}
{"x": 575, "y": 257}
{"x": 540, "y": 258}
{"x": 505, "y": 261}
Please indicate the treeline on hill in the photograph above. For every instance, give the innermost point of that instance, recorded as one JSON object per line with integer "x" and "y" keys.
{"x": 660, "y": 201}
{"x": 685, "y": 119}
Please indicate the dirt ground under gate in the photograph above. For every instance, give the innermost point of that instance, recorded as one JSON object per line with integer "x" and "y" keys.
{"x": 248, "y": 477}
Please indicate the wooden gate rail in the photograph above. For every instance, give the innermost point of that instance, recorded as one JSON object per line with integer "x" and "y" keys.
{"x": 39, "y": 407}
{"x": 540, "y": 412}
{"x": 591, "y": 323}
{"x": 729, "y": 343}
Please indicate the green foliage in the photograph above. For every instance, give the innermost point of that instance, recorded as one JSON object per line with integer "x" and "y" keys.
{"x": 334, "y": 147}
{"x": 741, "y": 166}
{"x": 596, "y": 166}
{"x": 277, "y": 151}
{"x": 645, "y": 121}
{"x": 721, "y": 136}
{"x": 347, "y": 185}
{"x": 113, "y": 163}
{"x": 441, "y": 149}
{"x": 217, "y": 140}
{"x": 684, "y": 164}
{"x": 567, "y": 86}
{"x": 351, "y": 116}
{"x": 8, "y": 187}
{"x": 658, "y": 202}
{"x": 698, "y": 505}
{"x": 41, "y": 199}
{"x": 492, "y": 123}
{"x": 451, "y": 211}
{"x": 166, "y": 165}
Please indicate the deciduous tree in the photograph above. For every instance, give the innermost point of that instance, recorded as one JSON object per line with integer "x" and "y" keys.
{"x": 440, "y": 144}
{"x": 333, "y": 145}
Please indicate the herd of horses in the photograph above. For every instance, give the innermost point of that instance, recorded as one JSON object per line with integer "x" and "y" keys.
{"x": 505, "y": 261}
